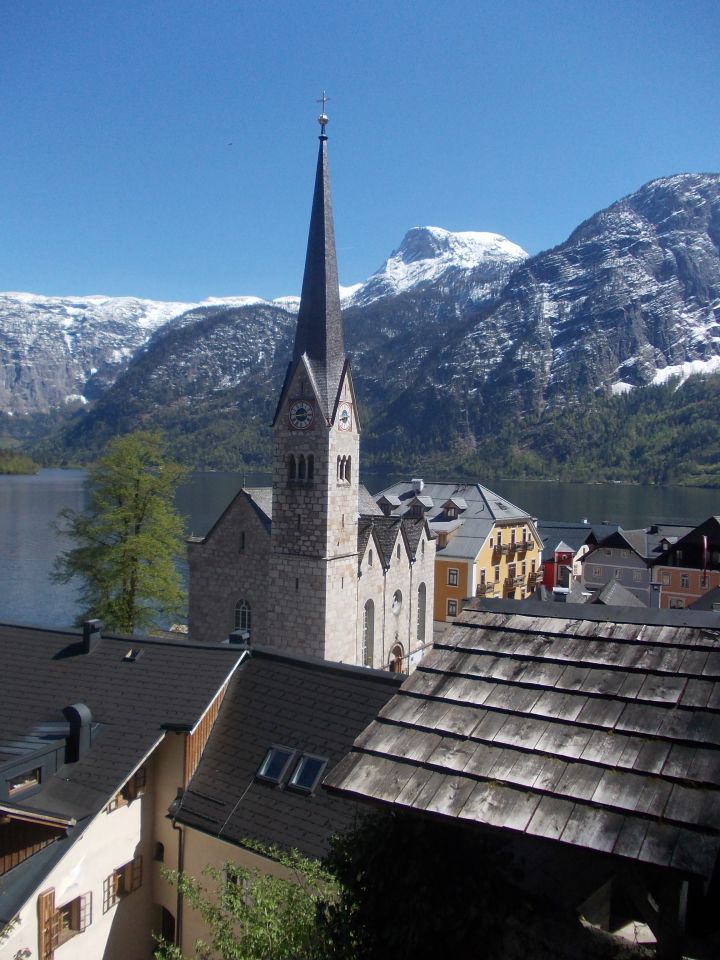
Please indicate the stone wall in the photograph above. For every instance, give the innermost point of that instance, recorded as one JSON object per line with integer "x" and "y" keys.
{"x": 229, "y": 565}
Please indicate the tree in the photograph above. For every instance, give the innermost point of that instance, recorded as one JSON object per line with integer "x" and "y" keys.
{"x": 252, "y": 915}
{"x": 127, "y": 542}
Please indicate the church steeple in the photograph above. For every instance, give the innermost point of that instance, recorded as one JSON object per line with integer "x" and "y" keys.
{"x": 319, "y": 332}
{"x": 313, "y": 565}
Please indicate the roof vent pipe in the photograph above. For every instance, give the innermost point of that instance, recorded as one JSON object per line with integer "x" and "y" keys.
{"x": 91, "y": 634}
{"x": 80, "y": 719}
{"x": 417, "y": 484}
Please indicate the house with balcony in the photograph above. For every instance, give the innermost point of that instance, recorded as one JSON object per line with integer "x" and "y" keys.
{"x": 485, "y": 546}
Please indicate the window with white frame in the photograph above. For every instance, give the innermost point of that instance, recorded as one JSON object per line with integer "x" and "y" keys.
{"x": 453, "y": 574}
{"x": 452, "y": 608}
{"x": 242, "y": 615}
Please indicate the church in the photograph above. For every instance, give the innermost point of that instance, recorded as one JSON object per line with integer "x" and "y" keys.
{"x": 312, "y": 565}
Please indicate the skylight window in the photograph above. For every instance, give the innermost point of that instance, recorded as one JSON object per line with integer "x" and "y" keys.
{"x": 307, "y": 773}
{"x": 275, "y": 765}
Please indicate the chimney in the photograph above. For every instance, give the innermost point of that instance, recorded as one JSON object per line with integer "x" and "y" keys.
{"x": 80, "y": 719}
{"x": 417, "y": 484}
{"x": 91, "y": 635}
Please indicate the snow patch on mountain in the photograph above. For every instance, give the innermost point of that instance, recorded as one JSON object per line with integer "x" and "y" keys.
{"x": 688, "y": 369}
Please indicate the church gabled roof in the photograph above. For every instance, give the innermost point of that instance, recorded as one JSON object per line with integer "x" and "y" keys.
{"x": 319, "y": 334}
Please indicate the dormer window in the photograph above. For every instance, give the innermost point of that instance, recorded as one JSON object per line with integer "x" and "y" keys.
{"x": 24, "y": 781}
{"x": 275, "y": 765}
{"x": 307, "y": 773}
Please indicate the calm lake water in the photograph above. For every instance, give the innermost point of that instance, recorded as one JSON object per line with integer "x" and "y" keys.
{"x": 29, "y": 505}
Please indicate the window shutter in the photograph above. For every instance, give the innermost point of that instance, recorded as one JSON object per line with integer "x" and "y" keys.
{"x": 48, "y": 933}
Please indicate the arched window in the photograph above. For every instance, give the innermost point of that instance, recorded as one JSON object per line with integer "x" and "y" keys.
{"x": 368, "y": 635}
{"x": 242, "y": 615}
{"x": 397, "y": 552}
{"x": 370, "y": 558}
{"x": 396, "y": 658}
{"x": 422, "y": 548}
{"x": 292, "y": 468}
{"x": 310, "y": 466}
{"x": 338, "y": 467}
{"x": 347, "y": 471}
{"x": 301, "y": 467}
{"x": 421, "y": 597}
{"x": 397, "y": 602}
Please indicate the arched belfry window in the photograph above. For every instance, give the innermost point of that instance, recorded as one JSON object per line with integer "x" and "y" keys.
{"x": 421, "y": 602}
{"x": 396, "y": 658}
{"x": 301, "y": 467}
{"x": 292, "y": 468}
{"x": 368, "y": 635}
{"x": 242, "y": 615}
{"x": 347, "y": 473}
{"x": 310, "y": 466}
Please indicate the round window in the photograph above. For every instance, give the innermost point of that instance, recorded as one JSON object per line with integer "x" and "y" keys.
{"x": 396, "y": 602}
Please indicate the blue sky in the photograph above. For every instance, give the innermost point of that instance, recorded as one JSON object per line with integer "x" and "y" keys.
{"x": 166, "y": 148}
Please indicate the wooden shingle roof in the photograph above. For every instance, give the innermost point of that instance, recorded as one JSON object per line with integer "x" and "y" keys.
{"x": 599, "y": 734}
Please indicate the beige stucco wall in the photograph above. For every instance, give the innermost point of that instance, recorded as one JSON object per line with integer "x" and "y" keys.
{"x": 111, "y": 840}
{"x": 202, "y": 851}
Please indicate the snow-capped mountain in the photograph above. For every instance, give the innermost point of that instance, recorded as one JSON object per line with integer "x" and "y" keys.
{"x": 432, "y": 256}
{"x": 56, "y": 351}
{"x": 456, "y": 338}
{"x": 631, "y": 298}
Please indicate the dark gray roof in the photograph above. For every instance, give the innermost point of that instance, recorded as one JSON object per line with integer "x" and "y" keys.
{"x": 708, "y": 601}
{"x": 170, "y": 684}
{"x": 554, "y": 532}
{"x": 366, "y": 503}
{"x": 311, "y": 706}
{"x": 483, "y": 509}
{"x": 597, "y": 733}
{"x": 615, "y": 594}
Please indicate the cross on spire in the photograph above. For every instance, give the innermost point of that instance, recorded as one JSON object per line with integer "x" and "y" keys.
{"x": 323, "y": 118}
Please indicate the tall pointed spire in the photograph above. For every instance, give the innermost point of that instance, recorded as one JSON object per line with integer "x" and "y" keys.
{"x": 319, "y": 332}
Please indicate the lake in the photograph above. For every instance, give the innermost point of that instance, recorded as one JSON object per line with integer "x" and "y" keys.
{"x": 29, "y": 505}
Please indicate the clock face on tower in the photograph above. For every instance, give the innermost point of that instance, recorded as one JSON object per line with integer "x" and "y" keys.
{"x": 301, "y": 414}
{"x": 344, "y": 417}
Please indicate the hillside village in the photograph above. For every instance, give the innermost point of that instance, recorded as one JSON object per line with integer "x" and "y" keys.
{"x": 434, "y": 651}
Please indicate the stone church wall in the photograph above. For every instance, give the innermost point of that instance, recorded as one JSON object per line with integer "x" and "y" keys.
{"x": 229, "y": 565}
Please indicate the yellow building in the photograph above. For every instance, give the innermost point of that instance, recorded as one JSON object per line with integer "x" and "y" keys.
{"x": 486, "y": 546}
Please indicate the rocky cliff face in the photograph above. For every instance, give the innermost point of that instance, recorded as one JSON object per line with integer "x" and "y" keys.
{"x": 631, "y": 298}
{"x": 60, "y": 351}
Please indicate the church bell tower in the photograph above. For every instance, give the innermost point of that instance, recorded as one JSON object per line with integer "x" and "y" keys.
{"x": 313, "y": 569}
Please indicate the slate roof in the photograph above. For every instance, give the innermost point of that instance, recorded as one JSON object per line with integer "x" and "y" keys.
{"x": 615, "y": 594}
{"x": 708, "y": 601}
{"x": 556, "y": 532}
{"x": 312, "y": 706}
{"x": 170, "y": 684}
{"x": 600, "y": 734}
{"x": 484, "y": 508}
